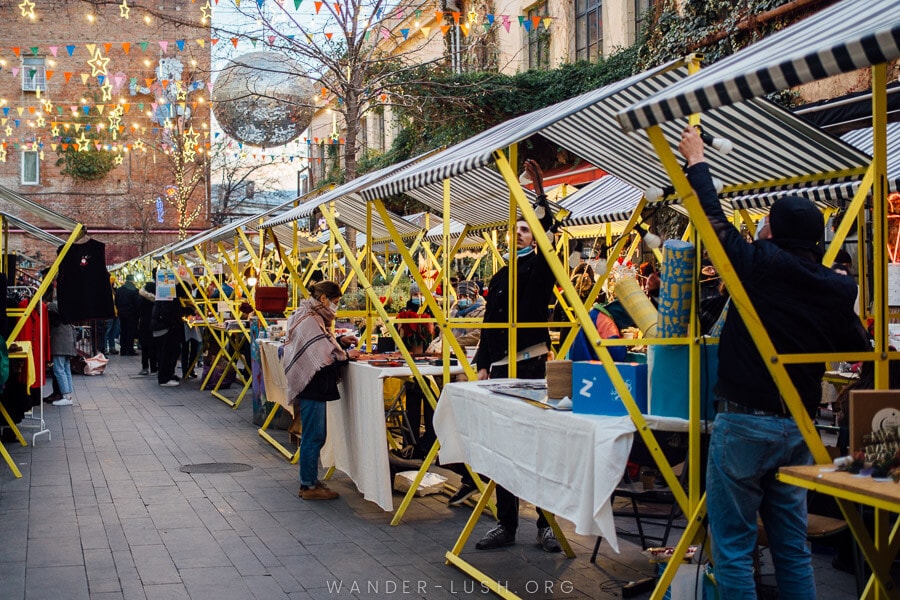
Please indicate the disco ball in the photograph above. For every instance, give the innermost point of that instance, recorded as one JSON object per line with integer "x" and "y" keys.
{"x": 263, "y": 99}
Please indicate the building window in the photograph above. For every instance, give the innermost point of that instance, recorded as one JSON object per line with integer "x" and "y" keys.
{"x": 538, "y": 39}
{"x": 31, "y": 169}
{"x": 588, "y": 29}
{"x": 33, "y": 74}
{"x": 643, "y": 10}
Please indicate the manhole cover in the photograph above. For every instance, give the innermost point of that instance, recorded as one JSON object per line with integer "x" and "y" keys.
{"x": 215, "y": 468}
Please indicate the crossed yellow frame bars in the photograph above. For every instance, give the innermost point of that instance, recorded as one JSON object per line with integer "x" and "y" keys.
{"x": 21, "y": 316}
{"x": 878, "y": 553}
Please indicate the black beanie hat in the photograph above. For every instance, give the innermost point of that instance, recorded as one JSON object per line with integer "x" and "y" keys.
{"x": 797, "y": 218}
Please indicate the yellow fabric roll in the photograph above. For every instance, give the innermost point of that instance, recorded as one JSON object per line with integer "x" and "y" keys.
{"x": 638, "y": 305}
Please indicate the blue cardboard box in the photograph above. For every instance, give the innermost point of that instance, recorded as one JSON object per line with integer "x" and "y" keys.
{"x": 669, "y": 389}
{"x": 593, "y": 392}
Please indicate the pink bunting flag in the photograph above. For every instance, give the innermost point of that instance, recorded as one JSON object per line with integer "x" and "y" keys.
{"x": 53, "y": 50}
{"x": 164, "y": 45}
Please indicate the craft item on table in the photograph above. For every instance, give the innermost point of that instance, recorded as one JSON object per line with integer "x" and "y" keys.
{"x": 533, "y": 391}
{"x": 593, "y": 392}
{"x": 559, "y": 378}
{"x": 676, "y": 288}
{"x": 638, "y": 305}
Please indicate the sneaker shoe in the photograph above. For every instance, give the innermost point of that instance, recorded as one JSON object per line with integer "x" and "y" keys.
{"x": 52, "y": 398}
{"x": 464, "y": 492}
{"x": 144, "y": 372}
{"x": 64, "y": 401}
{"x": 546, "y": 539}
{"x": 319, "y": 491}
{"x": 497, "y": 537}
{"x": 171, "y": 383}
{"x": 191, "y": 376}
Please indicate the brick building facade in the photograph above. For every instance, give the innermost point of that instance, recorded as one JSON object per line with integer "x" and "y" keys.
{"x": 128, "y": 87}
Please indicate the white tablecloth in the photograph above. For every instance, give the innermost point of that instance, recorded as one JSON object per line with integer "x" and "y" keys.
{"x": 568, "y": 464}
{"x": 357, "y": 437}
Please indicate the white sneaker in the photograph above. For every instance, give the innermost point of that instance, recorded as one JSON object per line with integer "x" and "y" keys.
{"x": 64, "y": 401}
{"x": 171, "y": 383}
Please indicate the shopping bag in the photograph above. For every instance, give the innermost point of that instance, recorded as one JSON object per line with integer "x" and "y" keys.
{"x": 95, "y": 365}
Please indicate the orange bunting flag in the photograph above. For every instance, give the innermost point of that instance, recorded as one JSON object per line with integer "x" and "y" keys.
{"x": 121, "y": 128}
{"x": 107, "y": 47}
{"x": 165, "y": 83}
{"x": 438, "y": 16}
{"x": 328, "y": 34}
{"x": 126, "y": 107}
{"x": 148, "y": 81}
{"x": 31, "y": 109}
{"x": 16, "y": 50}
{"x": 66, "y": 147}
{"x": 535, "y": 21}
{"x": 456, "y": 15}
{"x": 49, "y": 74}
{"x": 318, "y": 6}
{"x": 465, "y": 29}
{"x": 337, "y": 7}
{"x": 126, "y": 47}
{"x": 67, "y": 75}
{"x": 445, "y": 29}
{"x": 214, "y": 41}
{"x": 234, "y": 42}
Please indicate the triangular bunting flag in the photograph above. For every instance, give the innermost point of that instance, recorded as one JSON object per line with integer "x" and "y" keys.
{"x": 456, "y": 15}
{"x": 214, "y": 41}
{"x": 126, "y": 47}
{"x": 164, "y": 45}
{"x": 200, "y": 42}
{"x": 126, "y": 107}
{"x": 101, "y": 79}
{"x": 143, "y": 46}
{"x": 317, "y": 4}
{"x": 53, "y": 147}
{"x": 438, "y": 16}
{"x": 49, "y": 74}
{"x": 180, "y": 45}
{"x": 521, "y": 20}
{"x": 53, "y": 50}
{"x": 465, "y": 29}
{"x": 91, "y": 48}
{"x": 271, "y": 39}
{"x": 404, "y": 33}
{"x": 329, "y": 34}
{"x": 86, "y": 110}
{"x": 100, "y": 108}
{"x": 337, "y": 7}
{"x": 34, "y": 50}
{"x": 107, "y": 47}
{"x": 70, "y": 50}
{"x": 297, "y": 4}
{"x": 165, "y": 84}
{"x": 15, "y": 71}
{"x": 253, "y": 42}
{"x": 234, "y": 42}
{"x": 426, "y": 31}
{"x": 535, "y": 21}
{"x": 16, "y": 50}
{"x": 487, "y": 26}
{"x": 547, "y": 21}
{"x": 84, "y": 78}
{"x": 65, "y": 147}
{"x": 490, "y": 18}
{"x": 148, "y": 81}
{"x": 527, "y": 25}
{"x": 67, "y": 75}
{"x": 445, "y": 29}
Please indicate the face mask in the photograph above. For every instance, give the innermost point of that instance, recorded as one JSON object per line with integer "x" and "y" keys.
{"x": 524, "y": 251}
{"x": 464, "y": 303}
{"x": 416, "y": 300}
{"x": 332, "y": 305}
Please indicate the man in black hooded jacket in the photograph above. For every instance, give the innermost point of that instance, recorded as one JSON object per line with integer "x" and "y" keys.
{"x": 805, "y": 308}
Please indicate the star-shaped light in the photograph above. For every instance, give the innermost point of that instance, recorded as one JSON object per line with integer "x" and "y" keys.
{"x": 98, "y": 64}
{"x": 8, "y": 130}
{"x": 48, "y": 105}
{"x": 82, "y": 143}
{"x": 118, "y": 159}
{"x": 27, "y": 8}
{"x": 54, "y": 131}
{"x": 206, "y": 10}
{"x": 40, "y": 121}
{"x": 139, "y": 145}
{"x": 124, "y": 10}
{"x": 2, "y": 153}
{"x": 41, "y": 155}
{"x": 106, "y": 88}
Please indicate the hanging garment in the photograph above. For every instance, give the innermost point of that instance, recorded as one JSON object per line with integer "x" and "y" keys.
{"x": 37, "y": 331}
{"x": 83, "y": 288}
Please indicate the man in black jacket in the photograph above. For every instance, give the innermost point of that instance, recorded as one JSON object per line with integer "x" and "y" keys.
{"x": 805, "y": 307}
{"x": 534, "y": 281}
{"x": 128, "y": 302}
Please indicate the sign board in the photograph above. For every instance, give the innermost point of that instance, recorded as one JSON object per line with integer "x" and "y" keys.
{"x": 165, "y": 284}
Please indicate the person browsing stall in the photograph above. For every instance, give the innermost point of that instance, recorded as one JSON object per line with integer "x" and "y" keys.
{"x": 535, "y": 283}
{"x": 805, "y": 307}
{"x": 313, "y": 360}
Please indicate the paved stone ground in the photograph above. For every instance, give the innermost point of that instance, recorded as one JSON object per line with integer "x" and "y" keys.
{"x": 103, "y": 512}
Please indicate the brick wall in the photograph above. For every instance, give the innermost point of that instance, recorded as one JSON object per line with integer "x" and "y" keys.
{"x": 120, "y": 208}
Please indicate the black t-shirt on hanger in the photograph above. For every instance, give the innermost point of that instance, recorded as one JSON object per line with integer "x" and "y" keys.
{"x": 83, "y": 289}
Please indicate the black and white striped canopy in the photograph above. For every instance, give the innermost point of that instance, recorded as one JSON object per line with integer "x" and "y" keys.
{"x": 228, "y": 231}
{"x": 835, "y": 195}
{"x": 350, "y": 205}
{"x": 607, "y": 200}
{"x": 770, "y": 146}
{"x": 845, "y": 37}
{"x": 35, "y": 209}
{"x": 33, "y": 230}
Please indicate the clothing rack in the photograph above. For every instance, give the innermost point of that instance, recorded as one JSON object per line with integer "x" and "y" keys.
{"x": 31, "y": 421}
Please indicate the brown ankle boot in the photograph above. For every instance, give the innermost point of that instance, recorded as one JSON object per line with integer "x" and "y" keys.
{"x": 318, "y": 492}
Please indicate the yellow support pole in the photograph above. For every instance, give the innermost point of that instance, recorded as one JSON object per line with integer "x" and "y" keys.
{"x": 879, "y": 223}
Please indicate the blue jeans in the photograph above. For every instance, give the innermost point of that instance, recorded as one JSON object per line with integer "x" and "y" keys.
{"x": 62, "y": 371}
{"x": 745, "y": 453}
{"x": 313, "y": 421}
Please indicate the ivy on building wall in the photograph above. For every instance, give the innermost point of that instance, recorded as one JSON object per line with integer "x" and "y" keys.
{"x": 86, "y": 166}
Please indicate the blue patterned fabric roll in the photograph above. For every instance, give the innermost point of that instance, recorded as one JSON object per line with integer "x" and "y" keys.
{"x": 676, "y": 288}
